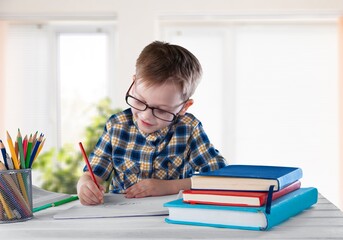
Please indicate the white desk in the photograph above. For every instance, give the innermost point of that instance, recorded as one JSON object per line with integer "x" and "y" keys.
{"x": 323, "y": 221}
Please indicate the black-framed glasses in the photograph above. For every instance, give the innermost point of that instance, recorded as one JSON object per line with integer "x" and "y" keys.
{"x": 157, "y": 112}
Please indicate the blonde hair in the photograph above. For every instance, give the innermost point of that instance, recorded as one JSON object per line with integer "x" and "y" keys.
{"x": 161, "y": 62}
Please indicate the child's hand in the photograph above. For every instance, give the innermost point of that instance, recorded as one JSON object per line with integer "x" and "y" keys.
{"x": 88, "y": 192}
{"x": 149, "y": 187}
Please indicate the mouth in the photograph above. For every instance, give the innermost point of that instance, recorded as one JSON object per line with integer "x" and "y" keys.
{"x": 146, "y": 124}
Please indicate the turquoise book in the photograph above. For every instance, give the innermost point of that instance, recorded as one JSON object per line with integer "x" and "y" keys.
{"x": 248, "y": 218}
{"x": 247, "y": 178}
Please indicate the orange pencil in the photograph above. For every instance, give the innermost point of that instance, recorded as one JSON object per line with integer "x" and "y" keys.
{"x": 16, "y": 149}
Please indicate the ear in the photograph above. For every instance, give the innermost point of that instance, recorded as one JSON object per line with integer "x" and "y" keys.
{"x": 134, "y": 77}
{"x": 186, "y": 106}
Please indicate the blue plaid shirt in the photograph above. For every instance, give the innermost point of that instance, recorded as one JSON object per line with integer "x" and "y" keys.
{"x": 174, "y": 152}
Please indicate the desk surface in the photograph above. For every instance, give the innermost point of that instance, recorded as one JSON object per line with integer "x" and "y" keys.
{"x": 323, "y": 221}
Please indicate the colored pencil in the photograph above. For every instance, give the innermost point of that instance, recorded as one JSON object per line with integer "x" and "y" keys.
{"x": 28, "y": 152}
{"x": 25, "y": 146}
{"x": 14, "y": 193}
{"x": 9, "y": 162}
{"x": 7, "y": 209}
{"x": 88, "y": 165}
{"x": 4, "y": 195}
{"x": 14, "y": 201}
{"x": 55, "y": 204}
{"x": 21, "y": 149}
{"x": 40, "y": 148}
{"x": 34, "y": 138}
{"x": 17, "y": 166}
{"x": 3, "y": 153}
{"x": 14, "y": 156}
{"x": 35, "y": 149}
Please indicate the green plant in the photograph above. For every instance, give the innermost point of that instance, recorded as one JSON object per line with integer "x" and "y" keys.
{"x": 62, "y": 175}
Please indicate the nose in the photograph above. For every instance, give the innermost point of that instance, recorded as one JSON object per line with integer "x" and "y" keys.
{"x": 147, "y": 114}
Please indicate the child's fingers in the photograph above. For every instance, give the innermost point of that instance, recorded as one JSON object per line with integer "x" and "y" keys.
{"x": 90, "y": 194}
{"x": 137, "y": 191}
{"x": 102, "y": 188}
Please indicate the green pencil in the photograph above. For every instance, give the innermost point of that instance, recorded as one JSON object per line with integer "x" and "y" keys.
{"x": 28, "y": 152}
{"x": 21, "y": 150}
{"x": 55, "y": 204}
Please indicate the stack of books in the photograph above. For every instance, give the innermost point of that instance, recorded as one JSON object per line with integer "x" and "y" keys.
{"x": 251, "y": 197}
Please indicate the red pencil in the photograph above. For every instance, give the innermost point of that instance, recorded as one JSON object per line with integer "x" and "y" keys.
{"x": 25, "y": 141}
{"x": 88, "y": 165}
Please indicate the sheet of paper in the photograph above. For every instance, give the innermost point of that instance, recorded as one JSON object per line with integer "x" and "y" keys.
{"x": 116, "y": 205}
{"x": 41, "y": 197}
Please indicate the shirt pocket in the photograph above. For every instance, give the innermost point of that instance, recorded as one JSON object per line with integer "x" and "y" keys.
{"x": 168, "y": 168}
{"x": 127, "y": 171}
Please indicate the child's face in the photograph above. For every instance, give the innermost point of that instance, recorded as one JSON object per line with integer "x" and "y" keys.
{"x": 165, "y": 97}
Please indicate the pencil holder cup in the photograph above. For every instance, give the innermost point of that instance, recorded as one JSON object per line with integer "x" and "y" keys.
{"x": 15, "y": 195}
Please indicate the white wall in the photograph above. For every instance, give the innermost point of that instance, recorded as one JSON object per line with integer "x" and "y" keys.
{"x": 137, "y": 19}
{"x": 138, "y": 22}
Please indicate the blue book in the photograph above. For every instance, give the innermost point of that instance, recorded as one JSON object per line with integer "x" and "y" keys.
{"x": 247, "y": 178}
{"x": 248, "y": 218}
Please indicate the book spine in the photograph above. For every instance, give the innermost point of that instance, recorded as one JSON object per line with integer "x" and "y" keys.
{"x": 298, "y": 201}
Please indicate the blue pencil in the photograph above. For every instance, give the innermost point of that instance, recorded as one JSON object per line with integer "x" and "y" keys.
{"x": 4, "y": 155}
{"x": 35, "y": 149}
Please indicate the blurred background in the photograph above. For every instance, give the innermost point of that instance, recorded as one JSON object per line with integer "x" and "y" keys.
{"x": 271, "y": 92}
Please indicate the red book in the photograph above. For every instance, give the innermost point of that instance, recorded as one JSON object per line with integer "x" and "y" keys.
{"x": 234, "y": 198}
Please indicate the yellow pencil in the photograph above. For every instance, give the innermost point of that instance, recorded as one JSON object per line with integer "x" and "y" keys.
{"x": 16, "y": 163}
{"x": 2, "y": 216}
{"x": 8, "y": 211}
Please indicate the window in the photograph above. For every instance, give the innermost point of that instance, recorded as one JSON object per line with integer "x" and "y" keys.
{"x": 270, "y": 92}
{"x": 83, "y": 75}
{"x": 56, "y": 72}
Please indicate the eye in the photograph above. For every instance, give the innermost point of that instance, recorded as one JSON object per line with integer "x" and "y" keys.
{"x": 161, "y": 112}
{"x": 164, "y": 115}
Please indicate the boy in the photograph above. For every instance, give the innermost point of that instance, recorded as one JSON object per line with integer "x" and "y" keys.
{"x": 153, "y": 147}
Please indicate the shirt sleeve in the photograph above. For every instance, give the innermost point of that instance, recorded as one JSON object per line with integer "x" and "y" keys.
{"x": 203, "y": 156}
{"x": 101, "y": 157}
